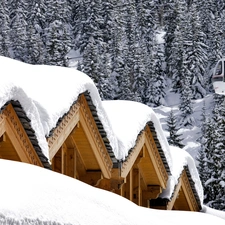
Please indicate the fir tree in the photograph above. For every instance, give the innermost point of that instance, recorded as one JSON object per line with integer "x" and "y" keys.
{"x": 214, "y": 186}
{"x": 178, "y": 48}
{"x": 19, "y": 32}
{"x": 174, "y": 138}
{"x": 206, "y": 163}
{"x": 157, "y": 81}
{"x": 5, "y": 43}
{"x": 185, "y": 106}
{"x": 170, "y": 24}
{"x": 197, "y": 53}
{"x": 201, "y": 156}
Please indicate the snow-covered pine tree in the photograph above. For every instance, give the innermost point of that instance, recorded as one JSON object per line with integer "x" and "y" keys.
{"x": 157, "y": 79}
{"x": 186, "y": 106}
{"x": 215, "y": 185}
{"x": 133, "y": 62}
{"x": 146, "y": 22}
{"x": 36, "y": 52}
{"x": 18, "y": 30}
{"x": 214, "y": 148}
{"x": 206, "y": 163}
{"x": 58, "y": 42}
{"x": 105, "y": 50}
{"x": 58, "y": 31}
{"x": 214, "y": 45}
{"x": 89, "y": 63}
{"x": 35, "y": 32}
{"x": 37, "y": 14}
{"x": 201, "y": 156}
{"x": 178, "y": 48}
{"x": 91, "y": 23}
{"x": 5, "y": 43}
{"x": 197, "y": 52}
{"x": 105, "y": 79}
{"x": 170, "y": 24}
{"x": 223, "y": 31}
{"x": 174, "y": 137}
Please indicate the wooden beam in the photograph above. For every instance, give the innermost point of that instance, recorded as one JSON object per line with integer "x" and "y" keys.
{"x": 3, "y": 138}
{"x": 63, "y": 130}
{"x": 131, "y": 185}
{"x": 18, "y": 136}
{"x": 2, "y": 124}
{"x": 63, "y": 159}
{"x": 91, "y": 177}
{"x": 75, "y": 162}
{"x": 104, "y": 184}
{"x": 128, "y": 164}
{"x": 94, "y": 138}
{"x": 188, "y": 192}
{"x": 71, "y": 162}
{"x": 153, "y": 191}
{"x": 139, "y": 189}
{"x": 156, "y": 159}
{"x": 175, "y": 196}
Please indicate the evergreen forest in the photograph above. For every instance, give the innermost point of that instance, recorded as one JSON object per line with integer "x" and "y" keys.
{"x": 134, "y": 50}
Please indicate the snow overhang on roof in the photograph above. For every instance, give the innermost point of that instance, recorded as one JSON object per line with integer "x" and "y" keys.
{"x": 183, "y": 162}
{"x": 46, "y": 93}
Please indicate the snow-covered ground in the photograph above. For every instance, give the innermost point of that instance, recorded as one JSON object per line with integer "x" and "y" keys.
{"x": 33, "y": 195}
{"x": 190, "y": 135}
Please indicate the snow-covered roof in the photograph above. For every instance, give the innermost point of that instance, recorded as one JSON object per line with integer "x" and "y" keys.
{"x": 46, "y": 93}
{"x": 182, "y": 159}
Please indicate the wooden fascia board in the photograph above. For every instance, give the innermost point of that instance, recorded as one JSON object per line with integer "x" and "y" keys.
{"x": 156, "y": 159}
{"x": 188, "y": 192}
{"x": 2, "y": 124}
{"x": 91, "y": 130}
{"x": 175, "y": 196}
{"x": 19, "y": 138}
{"x": 132, "y": 157}
{"x": 63, "y": 130}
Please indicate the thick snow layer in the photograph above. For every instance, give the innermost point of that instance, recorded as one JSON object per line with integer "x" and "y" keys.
{"x": 180, "y": 159}
{"x": 214, "y": 212}
{"x": 46, "y": 94}
{"x": 128, "y": 119}
{"x": 33, "y": 195}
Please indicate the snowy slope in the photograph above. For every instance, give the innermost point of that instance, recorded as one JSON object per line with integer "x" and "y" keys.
{"x": 33, "y": 195}
{"x": 190, "y": 135}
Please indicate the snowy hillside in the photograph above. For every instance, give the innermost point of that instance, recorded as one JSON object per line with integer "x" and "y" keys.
{"x": 190, "y": 135}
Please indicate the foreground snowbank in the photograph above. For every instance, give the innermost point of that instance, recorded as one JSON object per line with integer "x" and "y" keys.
{"x": 33, "y": 195}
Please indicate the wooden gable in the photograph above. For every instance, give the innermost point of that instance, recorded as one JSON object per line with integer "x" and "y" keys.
{"x": 184, "y": 197}
{"x": 14, "y": 141}
{"x": 143, "y": 172}
{"x": 76, "y": 147}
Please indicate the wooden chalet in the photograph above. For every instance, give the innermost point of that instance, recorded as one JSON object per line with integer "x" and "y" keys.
{"x": 79, "y": 148}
